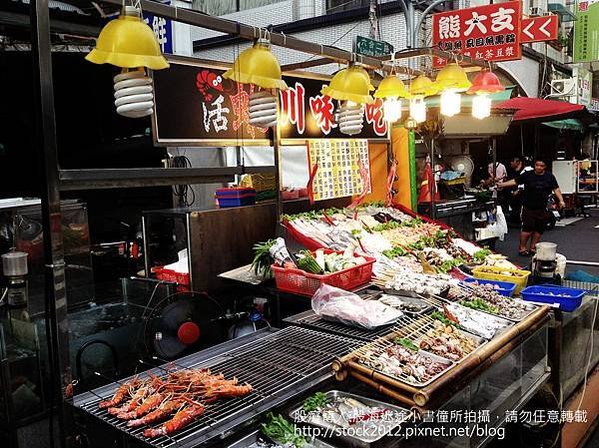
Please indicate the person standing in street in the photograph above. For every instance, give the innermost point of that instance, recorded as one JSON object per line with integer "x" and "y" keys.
{"x": 538, "y": 186}
{"x": 514, "y": 195}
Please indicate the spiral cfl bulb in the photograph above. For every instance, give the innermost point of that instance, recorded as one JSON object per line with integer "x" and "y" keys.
{"x": 481, "y": 106}
{"x": 418, "y": 109}
{"x": 451, "y": 103}
{"x": 350, "y": 117}
{"x": 133, "y": 93}
{"x": 392, "y": 109}
{"x": 263, "y": 109}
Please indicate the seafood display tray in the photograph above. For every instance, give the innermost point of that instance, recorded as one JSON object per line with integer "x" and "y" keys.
{"x": 253, "y": 437}
{"x": 411, "y": 301}
{"x": 362, "y": 441}
{"x": 277, "y": 363}
{"x": 404, "y": 379}
{"x": 531, "y": 307}
{"x": 480, "y": 341}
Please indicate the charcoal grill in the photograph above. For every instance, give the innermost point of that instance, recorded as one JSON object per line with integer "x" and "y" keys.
{"x": 277, "y": 363}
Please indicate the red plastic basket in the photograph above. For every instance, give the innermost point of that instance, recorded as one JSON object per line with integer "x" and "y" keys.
{"x": 303, "y": 283}
{"x": 181, "y": 278}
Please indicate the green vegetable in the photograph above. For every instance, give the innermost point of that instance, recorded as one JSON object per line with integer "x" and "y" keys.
{"x": 316, "y": 401}
{"x": 395, "y": 252}
{"x": 262, "y": 259}
{"x": 480, "y": 304}
{"x": 281, "y": 431}
{"x": 307, "y": 262}
{"x": 481, "y": 255}
{"x": 441, "y": 317}
{"x": 407, "y": 344}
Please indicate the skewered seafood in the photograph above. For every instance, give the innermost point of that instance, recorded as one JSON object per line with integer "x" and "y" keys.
{"x": 474, "y": 321}
{"x": 447, "y": 341}
{"x": 495, "y": 303}
{"x": 399, "y": 361}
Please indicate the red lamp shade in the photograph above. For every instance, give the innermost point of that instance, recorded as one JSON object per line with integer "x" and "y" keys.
{"x": 188, "y": 333}
{"x": 486, "y": 82}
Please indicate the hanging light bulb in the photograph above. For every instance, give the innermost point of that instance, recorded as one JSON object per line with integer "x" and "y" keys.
{"x": 129, "y": 43}
{"x": 451, "y": 80}
{"x": 391, "y": 89}
{"x": 418, "y": 108}
{"x": 350, "y": 117}
{"x": 484, "y": 84}
{"x": 351, "y": 86}
{"x": 258, "y": 66}
{"x": 451, "y": 102}
{"x": 481, "y": 106}
{"x": 392, "y": 109}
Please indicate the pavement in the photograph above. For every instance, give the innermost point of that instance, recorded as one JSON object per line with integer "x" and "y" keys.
{"x": 578, "y": 241}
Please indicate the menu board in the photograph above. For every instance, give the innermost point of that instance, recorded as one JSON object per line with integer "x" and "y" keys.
{"x": 342, "y": 168}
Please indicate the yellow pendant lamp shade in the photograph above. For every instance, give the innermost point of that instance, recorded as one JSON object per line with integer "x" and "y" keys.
{"x": 422, "y": 86}
{"x": 391, "y": 87}
{"x": 128, "y": 42}
{"x": 257, "y": 65}
{"x": 452, "y": 76}
{"x": 350, "y": 84}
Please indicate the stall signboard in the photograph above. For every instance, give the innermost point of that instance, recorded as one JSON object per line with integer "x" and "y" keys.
{"x": 371, "y": 47}
{"x": 163, "y": 29}
{"x": 586, "y": 31}
{"x": 490, "y": 32}
{"x": 594, "y": 105}
{"x": 308, "y": 114}
{"x": 196, "y": 106}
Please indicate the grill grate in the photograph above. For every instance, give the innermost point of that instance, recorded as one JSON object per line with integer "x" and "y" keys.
{"x": 278, "y": 365}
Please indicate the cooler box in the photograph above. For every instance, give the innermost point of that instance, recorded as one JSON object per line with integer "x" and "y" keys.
{"x": 547, "y": 294}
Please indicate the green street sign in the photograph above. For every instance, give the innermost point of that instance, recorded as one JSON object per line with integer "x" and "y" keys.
{"x": 586, "y": 28}
{"x": 370, "y": 47}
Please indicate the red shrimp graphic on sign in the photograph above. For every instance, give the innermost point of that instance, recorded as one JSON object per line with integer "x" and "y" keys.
{"x": 210, "y": 84}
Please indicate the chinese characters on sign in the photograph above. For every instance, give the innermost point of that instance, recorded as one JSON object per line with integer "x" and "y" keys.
{"x": 586, "y": 29}
{"x": 343, "y": 168}
{"x": 196, "y": 106}
{"x": 370, "y": 47}
{"x": 490, "y": 32}
{"x": 163, "y": 29}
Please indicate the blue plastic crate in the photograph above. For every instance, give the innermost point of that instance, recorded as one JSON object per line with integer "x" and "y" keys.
{"x": 236, "y": 202}
{"x": 546, "y": 294}
{"x": 505, "y": 288}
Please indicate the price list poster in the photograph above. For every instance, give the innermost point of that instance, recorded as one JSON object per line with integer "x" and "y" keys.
{"x": 343, "y": 168}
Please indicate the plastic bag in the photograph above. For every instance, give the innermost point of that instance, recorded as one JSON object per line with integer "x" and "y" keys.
{"x": 345, "y": 307}
{"x": 501, "y": 224}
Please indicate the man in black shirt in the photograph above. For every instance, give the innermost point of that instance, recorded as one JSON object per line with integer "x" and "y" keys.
{"x": 538, "y": 185}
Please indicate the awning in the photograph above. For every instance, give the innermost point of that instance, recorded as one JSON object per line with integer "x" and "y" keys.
{"x": 536, "y": 108}
{"x": 565, "y": 15}
{"x": 568, "y": 123}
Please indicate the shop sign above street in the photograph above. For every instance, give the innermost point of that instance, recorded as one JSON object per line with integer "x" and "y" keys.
{"x": 163, "y": 29}
{"x": 539, "y": 29}
{"x": 490, "y": 32}
{"x": 196, "y": 106}
{"x": 594, "y": 105}
{"x": 370, "y": 47}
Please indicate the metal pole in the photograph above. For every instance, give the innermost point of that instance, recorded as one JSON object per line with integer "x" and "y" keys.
{"x": 433, "y": 187}
{"x": 46, "y": 148}
{"x": 416, "y": 30}
{"x": 278, "y": 174}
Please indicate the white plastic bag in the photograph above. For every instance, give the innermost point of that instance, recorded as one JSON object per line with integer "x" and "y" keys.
{"x": 338, "y": 305}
